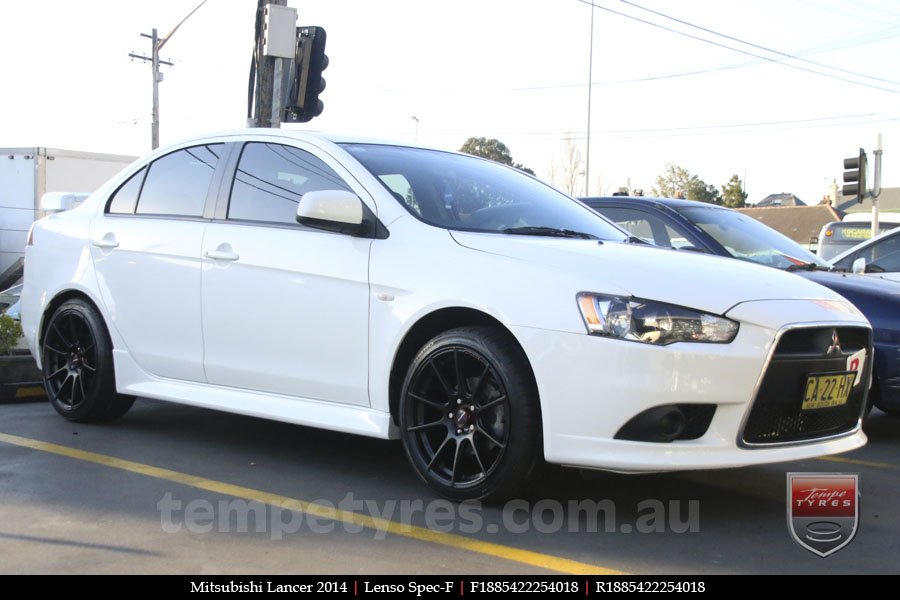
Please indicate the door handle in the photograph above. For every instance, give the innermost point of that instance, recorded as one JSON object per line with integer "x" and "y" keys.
{"x": 107, "y": 242}
{"x": 221, "y": 255}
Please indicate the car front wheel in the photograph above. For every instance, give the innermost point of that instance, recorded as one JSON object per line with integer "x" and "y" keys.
{"x": 470, "y": 415}
{"x": 78, "y": 366}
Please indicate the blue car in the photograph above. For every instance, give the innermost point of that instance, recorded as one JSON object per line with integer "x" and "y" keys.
{"x": 699, "y": 227}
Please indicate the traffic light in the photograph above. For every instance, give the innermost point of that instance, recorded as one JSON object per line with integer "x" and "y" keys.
{"x": 855, "y": 176}
{"x": 311, "y": 60}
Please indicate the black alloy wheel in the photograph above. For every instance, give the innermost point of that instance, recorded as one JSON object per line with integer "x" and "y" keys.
{"x": 77, "y": 365}
{"x": 469, "y": 414}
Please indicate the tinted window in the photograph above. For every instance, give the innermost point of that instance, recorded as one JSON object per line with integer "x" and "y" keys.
{"x": 177, "y": 183}
{"x": 125, "y": 198}
{"x": 746, "y": 238}
{"x": 455, "y": 191}
{"x": 884, "y": 254}
{"x": 646, "y": 226}
{"x": 270, "y": 180}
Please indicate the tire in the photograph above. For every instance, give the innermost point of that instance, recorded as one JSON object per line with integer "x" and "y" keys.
{"x": 876, "y": 400}
{"x": 78, "y": 367}
{"x": 470, "y": 416}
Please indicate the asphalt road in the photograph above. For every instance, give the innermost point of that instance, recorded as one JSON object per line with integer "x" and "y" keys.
{"x": 173, "y": 489}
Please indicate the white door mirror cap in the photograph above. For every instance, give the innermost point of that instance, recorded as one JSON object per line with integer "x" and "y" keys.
{"x": 335, "y": 206}
{"x": 859, "y": 265}
{"x": 60, "y": 201}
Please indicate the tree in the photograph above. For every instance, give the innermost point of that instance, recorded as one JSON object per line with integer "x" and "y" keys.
{"x": 678, "y": 182}
{"x": 733, "y": 194}
{"x": 494, "y": 150}
{"x": 566, "y": 173}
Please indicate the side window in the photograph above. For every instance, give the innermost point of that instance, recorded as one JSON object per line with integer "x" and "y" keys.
{"x": 124, "y": 200}
{"x": 177, "y": 183}
{"x": 884, "y": 254}
{"x": 271, "y": 178}
{"x": 643, "y": 225}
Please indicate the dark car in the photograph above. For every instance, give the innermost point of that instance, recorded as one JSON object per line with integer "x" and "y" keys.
{"x": 707, "y": 228}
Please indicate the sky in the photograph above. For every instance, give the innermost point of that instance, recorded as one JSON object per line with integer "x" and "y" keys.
{"x": 821, "y": 80}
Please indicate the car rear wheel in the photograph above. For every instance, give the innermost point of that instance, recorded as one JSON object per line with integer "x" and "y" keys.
{"x": 77, "y": 365}
{"x": 470, "y": 415}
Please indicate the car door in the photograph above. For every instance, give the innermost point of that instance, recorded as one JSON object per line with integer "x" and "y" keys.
{"x": 146, "y": 252}
{"x": 285, "y": 307}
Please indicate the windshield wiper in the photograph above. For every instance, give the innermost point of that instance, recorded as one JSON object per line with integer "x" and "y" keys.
{"x": 809, "y": 267}
{"x": 549, "y": 232}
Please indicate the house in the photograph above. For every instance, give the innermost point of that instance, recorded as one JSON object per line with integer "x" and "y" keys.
{"x": 888, "y": 201}
{"x": 800, "y": 223}
{"x": 782, "y": 199}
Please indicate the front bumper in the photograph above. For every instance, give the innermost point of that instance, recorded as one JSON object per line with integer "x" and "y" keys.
{"x": 590, "y": 387}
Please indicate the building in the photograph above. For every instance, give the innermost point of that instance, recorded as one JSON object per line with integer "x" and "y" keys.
{"x": 782, "y": 199}
{"x": 800, "y": 223}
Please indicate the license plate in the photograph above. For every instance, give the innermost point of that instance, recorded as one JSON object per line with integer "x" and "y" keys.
{"x": 826, "y": 391}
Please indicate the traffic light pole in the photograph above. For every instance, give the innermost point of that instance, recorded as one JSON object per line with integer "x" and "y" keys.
{"x": 876, "y": 186}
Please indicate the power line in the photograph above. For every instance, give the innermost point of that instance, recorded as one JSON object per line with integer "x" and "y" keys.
{"x": 733, "y": 49}
{"x": 757, "y": 46}
{"x": 751, "y": 127}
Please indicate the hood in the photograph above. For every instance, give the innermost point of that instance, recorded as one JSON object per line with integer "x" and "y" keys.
{"x": 878, "y": 299}
{"x": 852, "y": 284}
{"x": 709, "y": 283}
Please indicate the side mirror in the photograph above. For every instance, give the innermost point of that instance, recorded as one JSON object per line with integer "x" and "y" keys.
{"x": 859, "y": 266}
{"x": 59, "y": 201}
{"x": 332, "y": 210}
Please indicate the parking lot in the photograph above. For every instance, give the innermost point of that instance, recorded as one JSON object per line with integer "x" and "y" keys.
{"x": 175, "y": 489}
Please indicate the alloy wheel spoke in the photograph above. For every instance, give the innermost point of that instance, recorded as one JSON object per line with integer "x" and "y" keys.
{"x": 491, "y": 404}
{"x": 460, "y": 379}
{"x": 438, "y": 452}
{"x": 61, "y": 337}
{"x": 477, "y": 456}
{"x": 55, "y": 397}
{"x": 455, "y": 462}
{"x": 59, "y": 393}
{"x": 424, "y": 426}
{"x": 447, "y": 389}
{"x": 88, "y": 367}
{"x": 490, "y": 438}
{"x": 54, "y": 350}
{"x": 80, "y": 380}
{"x": 480, "y": 381}
{"x": 57, "y": 372}
{"x": 73, "y": 330}
{"x": 432, "y": 403}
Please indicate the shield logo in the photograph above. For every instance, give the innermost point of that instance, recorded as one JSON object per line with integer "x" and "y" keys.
{"x": 823, "y": 510}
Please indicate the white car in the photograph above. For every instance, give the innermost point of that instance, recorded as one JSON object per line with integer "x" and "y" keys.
{"x": 880, "y": 256}
{"x": 477, "y": 314}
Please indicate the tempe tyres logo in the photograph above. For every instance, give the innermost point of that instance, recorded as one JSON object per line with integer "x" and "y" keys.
{"x": 823, "y": 510}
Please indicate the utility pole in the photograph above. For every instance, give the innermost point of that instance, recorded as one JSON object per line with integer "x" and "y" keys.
{"x": 262, "y": 115}
{"x": 587, "y": 157}
{"x": 155, "y": 61}
{"x": 156, "y": 44}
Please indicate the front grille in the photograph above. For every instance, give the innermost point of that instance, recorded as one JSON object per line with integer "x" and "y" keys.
{"x": 777, "y": 415}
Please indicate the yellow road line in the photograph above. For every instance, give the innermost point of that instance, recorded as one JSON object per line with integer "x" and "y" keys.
{"x": 526, "y": 557}
{"x": 856, "y": 461}
{"x": 30, "y": 392}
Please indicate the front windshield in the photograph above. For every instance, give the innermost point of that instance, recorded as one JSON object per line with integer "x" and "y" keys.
{"x": 746, "y": 238}
{"x": 455, "y": 191}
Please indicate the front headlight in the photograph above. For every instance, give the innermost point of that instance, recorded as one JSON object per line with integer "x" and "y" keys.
{"x": 652, "y": 322}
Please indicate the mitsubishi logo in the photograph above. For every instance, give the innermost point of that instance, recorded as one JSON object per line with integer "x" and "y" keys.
{"x": 835, "y": 348}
